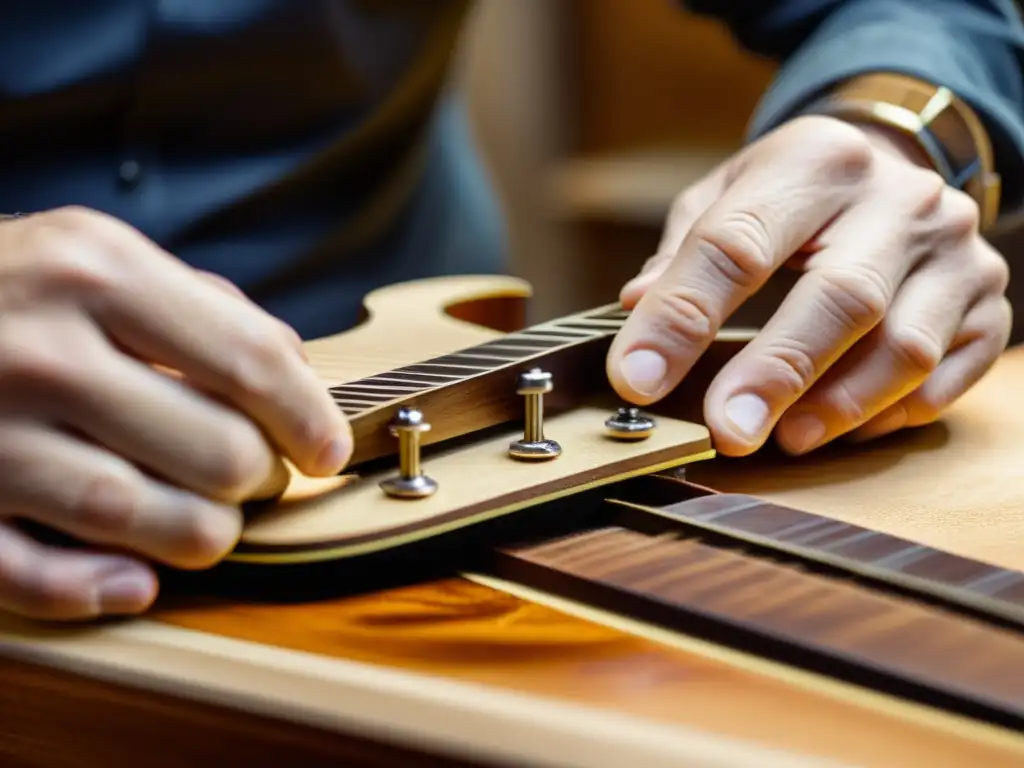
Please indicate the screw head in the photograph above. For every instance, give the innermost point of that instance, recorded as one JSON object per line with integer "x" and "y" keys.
{"x": 629, "y": 424}
{"x": 409, "y": 419}
{"x": 534, "y": 382}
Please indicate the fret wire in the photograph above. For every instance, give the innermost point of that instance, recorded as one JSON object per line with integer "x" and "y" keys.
{"x": 596, "y": 324}
{"x": 522, "y": 353}
{"x": 604, "y": 330}
{"x": 478, "y": 356}
{"x": 516, "y": 339}
{"x": 405, "y": 380}
{"x": 487, "y": 363}
{"x": 360, "y": 403}
{"x": 341, "y": 397}
{"x": 455, "y": 371}
{"x": 567, "y": 335}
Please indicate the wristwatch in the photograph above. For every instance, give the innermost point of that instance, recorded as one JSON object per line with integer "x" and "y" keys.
{"x": 945, "y": 128}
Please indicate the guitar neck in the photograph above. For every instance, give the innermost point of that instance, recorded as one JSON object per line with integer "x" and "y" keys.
{"x": 475, "y": 388}
{"x": 810, "y": 591}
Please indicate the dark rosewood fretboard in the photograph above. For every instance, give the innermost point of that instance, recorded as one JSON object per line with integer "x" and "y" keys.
{"x": 807, "y": 590}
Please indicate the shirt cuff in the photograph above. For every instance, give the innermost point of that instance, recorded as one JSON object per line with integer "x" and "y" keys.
{"x": 892, "y": 37}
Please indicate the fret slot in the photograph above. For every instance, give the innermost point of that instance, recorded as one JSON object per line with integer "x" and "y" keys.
{"x": 819, "y": 622}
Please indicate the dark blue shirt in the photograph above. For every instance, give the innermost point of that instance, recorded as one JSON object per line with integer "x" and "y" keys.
{"x": 308, "y": 149}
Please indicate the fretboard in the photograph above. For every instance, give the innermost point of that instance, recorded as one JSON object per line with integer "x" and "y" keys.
{"x": 475, "y": 388}
{"x": 393, "y": 388}
{"x": 959, "y": 583}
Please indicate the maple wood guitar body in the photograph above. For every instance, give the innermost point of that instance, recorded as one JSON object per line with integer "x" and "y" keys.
{"x": 469, "y": 670}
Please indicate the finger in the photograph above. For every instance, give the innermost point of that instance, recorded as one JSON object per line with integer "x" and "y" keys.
{"x": 889, "y": 362}
{"x": 905, "y": 348}
{"x": 229, "y": 287}
{"x": 847, "y": 290}
{"x": 685, "y": 210}
{"x": 231, "y": 347}
{"x": 983, "y": 337}
{"x": 97, "y": 497}
{"x": 783, "y": 198}
{"x": 70, "y": 374}
{"x": 52, "y": 584}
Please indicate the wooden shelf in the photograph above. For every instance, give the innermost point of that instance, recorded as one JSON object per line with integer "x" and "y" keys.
{"x": 632, "y": 188}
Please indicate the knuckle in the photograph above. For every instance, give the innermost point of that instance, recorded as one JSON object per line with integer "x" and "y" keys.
{"x": 256, "y": 371}
{"x": 927, "y": 191}
{"x": 915, "y": 348}
{"x": 738, "y": 246}
{"x": 202, "y": 541}
{"x": 108, "y": 506}
{"x": 992, "y": 270}
{"x": 69, "y": 262}
{"x": 36, "y": 587}
{"x": 791, "y": 366}
{"x": 856, "y": 297}
{"x": 29, "y": 367}
{"x": 43, "y": 356}
{"x": 845, "y": 407}
{"x": 960, "y": 213}
{"x": 241, "y": 465}
{"x": 681, "y": 317}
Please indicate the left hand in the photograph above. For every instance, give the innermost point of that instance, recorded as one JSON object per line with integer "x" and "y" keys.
{"x": 901, "y": 307}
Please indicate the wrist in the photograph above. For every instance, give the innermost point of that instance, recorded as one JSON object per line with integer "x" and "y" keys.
{"x": 944, "y": 129}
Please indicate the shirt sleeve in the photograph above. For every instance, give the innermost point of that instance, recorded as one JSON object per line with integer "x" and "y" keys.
{"x": 973, "y": 47}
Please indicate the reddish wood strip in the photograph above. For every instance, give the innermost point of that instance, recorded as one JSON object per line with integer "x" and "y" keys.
{"x": 780, "y": 610}
{"x": 957, "y": 581}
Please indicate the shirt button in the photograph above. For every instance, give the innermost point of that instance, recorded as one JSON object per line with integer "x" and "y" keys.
{"x": 130, "y": 174}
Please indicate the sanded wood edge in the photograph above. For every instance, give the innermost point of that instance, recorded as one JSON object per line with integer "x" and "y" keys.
{"x": 397, "y": 707}
{"x": 296, "y": 554}
{"x": 909, "y": 712}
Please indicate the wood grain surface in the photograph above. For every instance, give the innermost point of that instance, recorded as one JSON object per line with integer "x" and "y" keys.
{"x": 484, "y": 667}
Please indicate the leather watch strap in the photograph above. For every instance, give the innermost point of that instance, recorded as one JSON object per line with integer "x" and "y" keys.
{"x": 944, "y": 127}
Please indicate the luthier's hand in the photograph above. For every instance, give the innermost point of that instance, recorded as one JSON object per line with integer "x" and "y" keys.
{"x": 899, "y": 310}
{"x": 140, "y": 463}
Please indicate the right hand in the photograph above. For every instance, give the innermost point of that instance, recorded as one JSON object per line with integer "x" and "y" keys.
{"x": 140, "y": 403}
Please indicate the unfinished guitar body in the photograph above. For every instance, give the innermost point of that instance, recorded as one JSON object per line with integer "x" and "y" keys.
{"x": 406, "y": 352}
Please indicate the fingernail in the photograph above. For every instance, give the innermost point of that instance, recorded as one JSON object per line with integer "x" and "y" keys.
{"x": 802, "y": 433}
{"x": 748, "y": 413}
{"x": 127, "y": 591}
{"x": 644, "y": 371}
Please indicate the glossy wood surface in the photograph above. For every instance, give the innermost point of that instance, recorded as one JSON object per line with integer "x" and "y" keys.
{"x": 479, "y": 633}
{"x": 775, "y": 607}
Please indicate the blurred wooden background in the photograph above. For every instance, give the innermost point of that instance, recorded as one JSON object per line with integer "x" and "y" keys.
{"x": 592, "y": 115}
